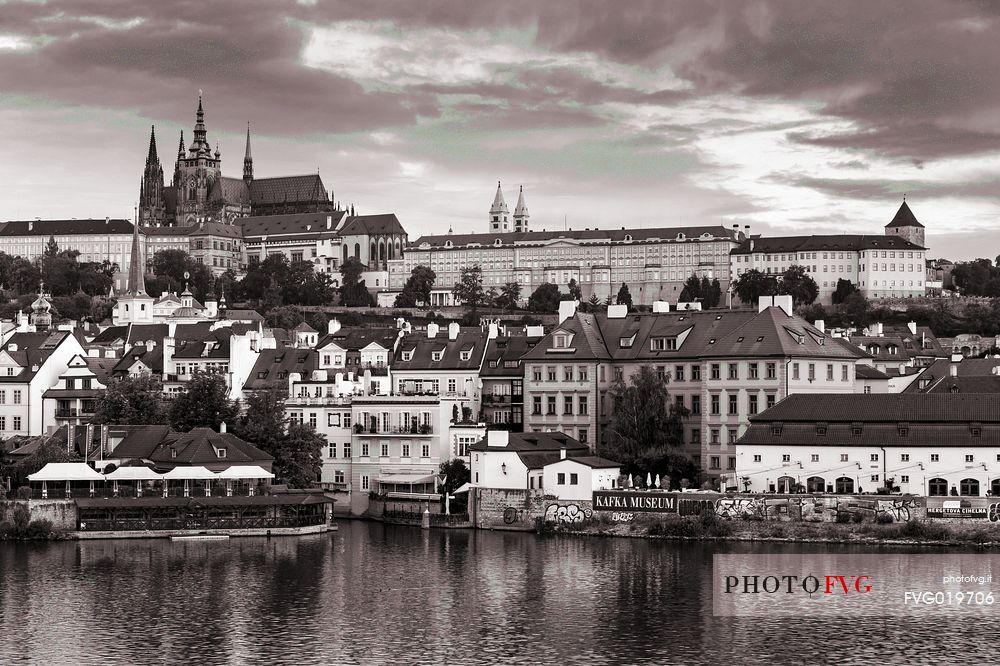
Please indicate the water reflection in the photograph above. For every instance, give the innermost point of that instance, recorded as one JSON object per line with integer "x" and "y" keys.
{"x": 374, "y": 593}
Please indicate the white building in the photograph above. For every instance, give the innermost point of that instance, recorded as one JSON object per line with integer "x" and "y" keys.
{"x": 887, "y": 266}
{"x": 30, "y": 364}
{"x": 934, "y": 445}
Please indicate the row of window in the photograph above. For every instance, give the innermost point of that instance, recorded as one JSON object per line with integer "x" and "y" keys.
{"x": 732, "y": 406}
{"x": 385, "y": 450}
{"x": 569, "y": 373}
{"x": 15, "y": 422}
{"x": 872, "y": 457}
{"x": 551, "y": 403}
{"x": 16, "y": 394}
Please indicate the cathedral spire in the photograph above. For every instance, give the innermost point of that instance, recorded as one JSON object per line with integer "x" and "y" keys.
{"x": 200, "y": 143}
{"x": 136, "y": 279}
{"x": 180, "y": 147}
{"x": 248, "y": 160}
{"x": 521, "y": 212}
{"x": 499, "y": 213}
{"x": 151, "y": 158}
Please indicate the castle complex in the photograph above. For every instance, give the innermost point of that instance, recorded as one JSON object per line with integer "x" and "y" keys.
{"x": 198, "y": 192}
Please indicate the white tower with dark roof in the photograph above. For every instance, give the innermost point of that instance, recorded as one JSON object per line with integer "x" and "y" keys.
{"x": 499, "y": 214}
{"x": 521, "y": 212}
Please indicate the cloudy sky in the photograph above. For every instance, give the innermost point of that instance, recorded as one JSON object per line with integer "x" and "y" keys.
{"x": 793, "y": 117}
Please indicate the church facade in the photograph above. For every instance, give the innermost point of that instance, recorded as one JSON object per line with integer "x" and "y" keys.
{"x": 198, "y": 192}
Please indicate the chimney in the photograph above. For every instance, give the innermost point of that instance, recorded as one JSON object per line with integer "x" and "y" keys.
{"x": 912, "y": 325}
{"x": 661, "y": 306}
{"x": 222, "y": 428}
{"x": 333, "y": 326}
{"x": 562, "y": 453}
{"x": 498, "y": 438}
{"x": 751, "y": 245}
{"x": 432, "y": 329}
{"x": 567, "y": 309}
{"x": 453, "y": 329}
{"x": 617, "y": 311}
{"x": 820, "y": 325}
{"x": 953, "y": 369}
{"x": 764, "y": 302}
{"x": 785, "y": 303}
{"x": 329, "y": 221}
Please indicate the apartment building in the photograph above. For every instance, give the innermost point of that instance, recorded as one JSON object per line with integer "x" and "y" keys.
{"x": 30, "y": 364}
{"x": 935, "y": 445}
{"x": 773, "y": 355}
{"x": 443, "y": 363}
{"x": 654, "y": 263}
{"x": 96, "y": 240}
{"x": 502, "y": 377}
{"x": 72, "y": 400}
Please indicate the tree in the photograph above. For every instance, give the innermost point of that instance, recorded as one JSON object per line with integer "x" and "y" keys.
{"x": 844, "y": 289}
{"x": 304, "y": 286}
{"x": 469, "y": 289}
{"x": 353, "y": 291}
{"x": 545, "y": 298}
{"x": 298, "y": 459}
{"x": 575, "y": 292}
{"x": 131, "y": 401}
{"x": 646, "y": 424}
{"x": 203, "y": 404}
{"x": 797, "y": 283}
{"x": 169, "y": 267}
{"x": 52, "y": 248}
{"x": 692, "y": 290}
{"x": 49, "y": 451}
{"x": 417, "y": 289}
{"x": 594, "y": 301}
{"x": 714, "y": 296}
{"x": 624, "y": 297}
{"x": 456, "y": 474}
{"x": 509, "y": 296}
{"x": 753, "y": 284}
{"x": 286, "y": 317}
{"x": 855, "y": 309}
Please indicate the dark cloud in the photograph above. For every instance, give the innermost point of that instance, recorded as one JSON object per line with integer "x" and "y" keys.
{"x": 886, "y": 189}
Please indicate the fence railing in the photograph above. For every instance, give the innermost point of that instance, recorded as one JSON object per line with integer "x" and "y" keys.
{"x": 88, "y": 524}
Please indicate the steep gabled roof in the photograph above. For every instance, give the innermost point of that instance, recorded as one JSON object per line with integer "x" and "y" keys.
{"x": 372, "y": 225}
{"x": 471, "y": 339}
{"x": 287, "y": 189}
{"x": 587, "y": 344}
{"x": 501, "y": 352}
{"x": 197, "y": 447}
{"x": 693, "y": 330}
{"x": 230, "y": 190}
{"x": 313, "y": 224}
{"x": 884, "y": 408}
{"x": 774, "y": 333}
{"x": 356, "y": 338}
{"x": 274, "y": 365}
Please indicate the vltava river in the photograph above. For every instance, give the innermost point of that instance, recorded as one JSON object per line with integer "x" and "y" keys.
{"x": 383, "y": 594}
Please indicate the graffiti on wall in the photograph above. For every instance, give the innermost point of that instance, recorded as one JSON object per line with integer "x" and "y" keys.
{"x": 570, "y": 514}
{"x": 513, "y": 515}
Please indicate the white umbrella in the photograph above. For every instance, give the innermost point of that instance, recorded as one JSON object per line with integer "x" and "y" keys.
{"x": 649, "y": 480}
{"x": 657, "y": 480}
{"x": 631, "y": 482}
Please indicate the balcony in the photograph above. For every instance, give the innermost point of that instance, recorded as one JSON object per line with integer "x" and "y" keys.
{"x": 426, "y": 429}
{"x": 323, "y": 400}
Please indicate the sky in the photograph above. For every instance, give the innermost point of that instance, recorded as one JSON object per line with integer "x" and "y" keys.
{"x": 793, "y": 117}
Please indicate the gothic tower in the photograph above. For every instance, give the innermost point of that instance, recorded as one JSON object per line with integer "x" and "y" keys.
{"x": 196, "y": 173}
{"x": 152, "y": 208}
{"x": 499, "y": 215}
{"x": 135, "y": 305}
{"x": 905, "y": 225}
{"x": 248, "y": 161}
{"x": 521, "y": 212}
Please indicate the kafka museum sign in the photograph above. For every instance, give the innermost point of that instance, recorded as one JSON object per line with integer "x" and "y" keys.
{"x": 610, "y": 500}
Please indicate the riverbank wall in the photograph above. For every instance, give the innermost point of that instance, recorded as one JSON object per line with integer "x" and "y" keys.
{"x": 62, "y": 514}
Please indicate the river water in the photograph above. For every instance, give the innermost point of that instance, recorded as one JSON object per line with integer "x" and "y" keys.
{"x": 374, "y": 593}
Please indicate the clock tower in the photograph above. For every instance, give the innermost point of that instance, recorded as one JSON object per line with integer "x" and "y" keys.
{"x": 195, "y": 174}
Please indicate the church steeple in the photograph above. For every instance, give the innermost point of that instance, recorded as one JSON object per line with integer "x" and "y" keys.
{"x": 248, "y": 160}
{"x": 499, "y": 214}
{"x": 200, "y": 144}
{"x": 521, "y": 212}
{"x": 136, "y": 279}
{"x": 152, "y": 209}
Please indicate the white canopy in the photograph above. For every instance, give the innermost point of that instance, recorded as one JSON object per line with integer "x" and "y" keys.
{"x": 77, "y": 471}
{"x": 464, "y": 488}
{"x": 412, "y": 479}
{"x": 196, "y": 472}
{"x": 245, "y": 472}
{"x": 140, "y": 473}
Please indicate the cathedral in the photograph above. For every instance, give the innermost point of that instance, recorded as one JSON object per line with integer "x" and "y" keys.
{"x": 199, "y": 192}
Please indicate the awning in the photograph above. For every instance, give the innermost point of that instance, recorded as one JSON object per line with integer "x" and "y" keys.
{"x": 139, "y": 473}
{"x": 245, "y": 472}
{"x": 196, "y": 472}
{"x": 66, "y": 472}
{"x": 464, "y": 488}
{"x": 411, "y": 479}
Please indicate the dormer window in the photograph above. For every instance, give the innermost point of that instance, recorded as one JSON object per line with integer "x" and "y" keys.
{"x": 173, "y": 453}
{"x": 408, "y": 355}
{"x": 663, "y": 344}
{"x": 625, "y": 343}
{"x": 437, "y": 355}
{"x": 821, "y": 429}
{"x": 466, "y": 354}
{"x": 776, "y": 430}
{"x": 976, "y": 430}
{"x": 904, "y": 430}
{"x": 856, "y": 430}
{"x": 561, "y": 340}
{"x": 220, "y": 453}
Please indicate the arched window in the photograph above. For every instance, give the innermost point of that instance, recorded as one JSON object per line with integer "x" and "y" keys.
{"x": 815, "y": 484}
{"x": 381, "y": 250}
{"x": 398, "y": 248}
{"x": 995, "y": 487}
{"x": 969, "y": 488}
{"x": 357, "y": 251}
{"x": 937, "y": 488}
{"x": 845, "y": 485}
{"x": 373, "y": 255}
{"x": 786, "y": 484}
{"x": 346, "y": 254}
